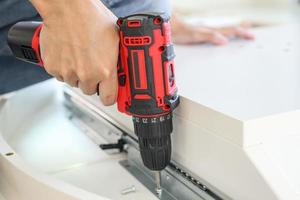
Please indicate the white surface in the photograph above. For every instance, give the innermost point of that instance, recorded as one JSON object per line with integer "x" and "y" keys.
{"x": 208, "y": 5}
{"x": 284, "y": 158}
{"x": 50, "y": 143}
{"x": 257, "y": 84}
{"x": 244, "y": 80}
{"x": 20, "y": 181}
{"x": 106, "y": 178}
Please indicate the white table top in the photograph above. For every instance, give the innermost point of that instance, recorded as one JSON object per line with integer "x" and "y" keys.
{"x": 245, "y": 79}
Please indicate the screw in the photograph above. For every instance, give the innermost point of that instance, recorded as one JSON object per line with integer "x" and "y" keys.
{"x": 128, "y": 190}
{"x": 9, "y": 154}
{"x": 158, "y": 191}
{"x": 126, "y": 147}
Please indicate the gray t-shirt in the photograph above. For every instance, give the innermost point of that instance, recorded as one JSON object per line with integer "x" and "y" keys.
{"x": 15, "y": 74}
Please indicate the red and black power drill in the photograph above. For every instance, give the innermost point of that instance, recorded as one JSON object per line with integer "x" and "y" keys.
{"x": 147, "y": 88}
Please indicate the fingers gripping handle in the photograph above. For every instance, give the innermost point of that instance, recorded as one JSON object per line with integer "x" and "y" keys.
{"x": 23, "y": 40}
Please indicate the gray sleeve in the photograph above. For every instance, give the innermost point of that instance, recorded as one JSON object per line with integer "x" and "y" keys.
{"x": 126, "y": 7}
{"x": 12, "y": 11}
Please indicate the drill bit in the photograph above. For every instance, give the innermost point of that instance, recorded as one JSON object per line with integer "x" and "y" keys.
{"x": 158, "y": 188}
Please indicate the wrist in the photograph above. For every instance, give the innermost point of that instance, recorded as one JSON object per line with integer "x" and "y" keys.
{"x": 49, "y": 8}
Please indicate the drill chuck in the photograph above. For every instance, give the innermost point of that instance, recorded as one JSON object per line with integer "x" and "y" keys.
{"x": 154, "y": 136}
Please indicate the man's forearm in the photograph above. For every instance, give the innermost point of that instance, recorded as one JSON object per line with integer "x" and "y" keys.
{"x": 47, "y": 8}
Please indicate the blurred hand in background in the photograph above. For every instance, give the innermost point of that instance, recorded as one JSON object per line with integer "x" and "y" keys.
{"x": 184, "y": 33}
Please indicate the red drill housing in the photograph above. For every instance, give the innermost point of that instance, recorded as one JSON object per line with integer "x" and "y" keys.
{"x": 147, "y": 87}
{"x": 146, "y": 71}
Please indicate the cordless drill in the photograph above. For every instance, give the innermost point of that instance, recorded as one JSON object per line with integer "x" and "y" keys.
{"x": 147, "y": 90}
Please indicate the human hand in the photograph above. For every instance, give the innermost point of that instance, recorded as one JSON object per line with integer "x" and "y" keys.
{"x": 79, "y": 45}
{"x": 184, "y": 33}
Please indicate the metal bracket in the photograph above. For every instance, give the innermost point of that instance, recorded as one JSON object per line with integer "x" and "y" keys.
{"x": 177, "y": 183}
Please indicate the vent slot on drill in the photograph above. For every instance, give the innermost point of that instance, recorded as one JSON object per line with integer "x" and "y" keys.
{"x": 134, "y": 23}
{"x": 29, "y": 53}
{"x": 137, "y": 41}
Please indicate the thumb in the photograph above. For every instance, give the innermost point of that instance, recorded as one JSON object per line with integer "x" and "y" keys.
{"x": 108, "y": 90}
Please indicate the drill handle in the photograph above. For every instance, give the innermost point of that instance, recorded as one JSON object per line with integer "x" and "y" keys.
{"x": 23, "y": 40}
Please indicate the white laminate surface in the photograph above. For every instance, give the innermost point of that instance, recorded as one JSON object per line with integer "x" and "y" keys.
{"x": 245, "y": 79}
{"x": 51, "y": 142}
